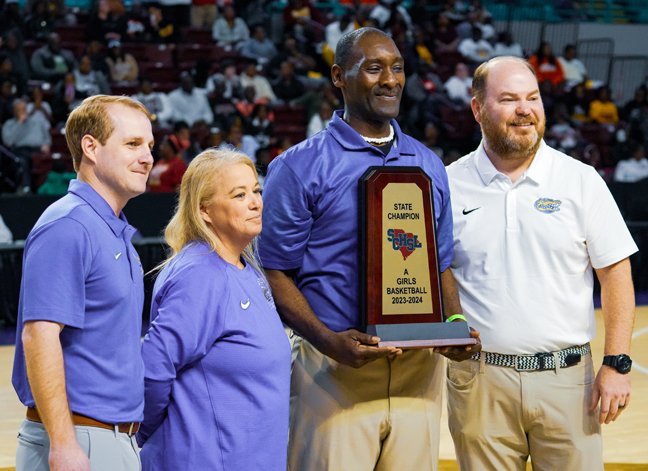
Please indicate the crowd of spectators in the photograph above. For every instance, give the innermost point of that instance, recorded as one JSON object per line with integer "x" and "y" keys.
{"x": 219, "y": 72}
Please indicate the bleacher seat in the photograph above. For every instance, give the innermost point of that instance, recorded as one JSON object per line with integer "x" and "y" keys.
{"x": 295, "y": 133}
{"x": 197, "y": 35}
{"x": 72, "y": 33}
{"x": 124, "y": 89}
{"x": 42, "y": 164}
{"x": 459, "y": 124}
{"x": 59, "y": 144}
{"x": 160, "y": 74}
{"x": 289, "y": 115}
{"x": 30, "y": 46}
{"x": 77, "y": 48}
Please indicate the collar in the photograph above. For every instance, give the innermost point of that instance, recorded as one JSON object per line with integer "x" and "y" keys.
{"x": 537, "y": 171}
{"x": 350, "y": 139}
{"x": 100, "y": 206}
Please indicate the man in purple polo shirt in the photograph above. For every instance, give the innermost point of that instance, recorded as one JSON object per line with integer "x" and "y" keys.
{"x": 354, "y": 405}
{"x": 78, "y": 367}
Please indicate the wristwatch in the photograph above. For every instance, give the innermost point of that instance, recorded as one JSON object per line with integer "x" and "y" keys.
{"x": 622, "y": 363}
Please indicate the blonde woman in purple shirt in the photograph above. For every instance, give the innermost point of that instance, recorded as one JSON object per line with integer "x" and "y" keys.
{"x": 217, "y": 359}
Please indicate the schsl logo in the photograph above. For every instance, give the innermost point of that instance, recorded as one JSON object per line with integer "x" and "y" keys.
{"x": 547, "y": 205}
{"x": 405, "y": 242}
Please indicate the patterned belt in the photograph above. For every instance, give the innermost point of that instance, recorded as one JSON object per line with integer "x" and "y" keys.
{"x": 537, "y": 362}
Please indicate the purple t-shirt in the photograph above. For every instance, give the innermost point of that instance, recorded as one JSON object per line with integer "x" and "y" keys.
{"x": 217, "y": 363}
{"x": 310, "y": 215}
{"x": 81, "y": 270}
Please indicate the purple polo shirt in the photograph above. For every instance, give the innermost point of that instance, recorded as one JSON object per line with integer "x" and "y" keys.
{"x": 217, "y": 369}
{"x": 81, "y": 270}
{"x": 310, "y": 214}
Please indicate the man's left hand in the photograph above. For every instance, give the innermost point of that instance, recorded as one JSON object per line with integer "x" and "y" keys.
{"x": 613, "y": 389}
{"x": 461, "y": 353}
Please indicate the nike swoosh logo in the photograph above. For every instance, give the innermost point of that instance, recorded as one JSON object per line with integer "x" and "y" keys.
{"x": 246, "y": 304}
{"x": 470, "y": 211}
{"x": 117, "y": 256}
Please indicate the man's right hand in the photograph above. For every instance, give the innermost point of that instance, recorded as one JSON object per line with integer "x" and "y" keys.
{"x": 355, "y": 349}
{"x": 68, "y": 458}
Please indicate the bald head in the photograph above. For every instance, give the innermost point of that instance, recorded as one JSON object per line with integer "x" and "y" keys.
{"x": 346, "y": 45}
{"x": 480, "y": 79}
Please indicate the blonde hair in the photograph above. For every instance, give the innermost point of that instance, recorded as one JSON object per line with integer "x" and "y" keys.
{"x": 91, "y": 118}
{"x": 198, "y": 186}
{"x": 481, "y": 74}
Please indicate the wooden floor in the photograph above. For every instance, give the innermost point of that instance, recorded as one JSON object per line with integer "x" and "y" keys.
{"x": 625, "y": 441}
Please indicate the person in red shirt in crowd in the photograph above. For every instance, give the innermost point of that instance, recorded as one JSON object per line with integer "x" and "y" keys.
{"x": 166, "y": 174}
{"x": 546, "y": 65}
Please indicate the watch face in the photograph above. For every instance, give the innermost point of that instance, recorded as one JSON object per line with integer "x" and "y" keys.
{"x": 624, "y": 363}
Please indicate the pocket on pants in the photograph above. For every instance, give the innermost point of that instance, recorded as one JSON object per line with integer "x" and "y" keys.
{"x": 461, "y": 375}
{"x": 29, "y": 441}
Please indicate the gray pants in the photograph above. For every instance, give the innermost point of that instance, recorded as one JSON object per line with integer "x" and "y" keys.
{"x": 108, "y": 450}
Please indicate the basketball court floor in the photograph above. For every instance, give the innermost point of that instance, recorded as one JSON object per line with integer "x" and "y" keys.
{"x": 625, "y": 441}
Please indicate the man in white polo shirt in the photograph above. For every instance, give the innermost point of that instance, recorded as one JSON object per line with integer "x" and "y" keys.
{"x": 530, "y": 225}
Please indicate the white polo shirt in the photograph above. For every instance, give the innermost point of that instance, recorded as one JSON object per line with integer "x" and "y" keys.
{"x": 524, "y": 251}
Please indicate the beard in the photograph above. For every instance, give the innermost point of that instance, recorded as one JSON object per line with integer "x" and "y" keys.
{"x": 509, "y": 146}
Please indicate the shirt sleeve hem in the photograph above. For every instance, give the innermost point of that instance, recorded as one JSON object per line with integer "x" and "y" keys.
{"x": 51, "y": 315}
{"x": 614, "y": 257}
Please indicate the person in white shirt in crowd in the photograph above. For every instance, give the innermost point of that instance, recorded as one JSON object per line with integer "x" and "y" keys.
{"x": 635, "y": 168}
{"x": 334, "y": 31}
{"x": 250, "y": 76}
{"x": 123, "y": 66}
{"x": 157, "y": 103}
{"x": 475, "y": 49}
{"x": 459, "y": 86}
{"x": 259, "y": 47}
{"x": 475, "y": 19}
{"x": 229, "y": 30}
{"x": 320, "y": 120}
{"x": 38, "y": 107}
{"x": 382, "y": 12}
{"x": 190, "y": 104}
{"x": 6, "y": 237}
{"x": 25, "y": 134}
{"x": 505, "y": 46}
{"x": 237, "y": 139}
{"x": 228, "y": 77}
{"x": 575, "y": 71}
{"x": 90, "y": 81}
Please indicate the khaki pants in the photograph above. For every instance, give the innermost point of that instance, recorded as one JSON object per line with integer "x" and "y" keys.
{"x": 203, "y": 16}
{"x": 383, "y": 416}
{"x": 499, "y": 417}
{"x": 108, "y": 450}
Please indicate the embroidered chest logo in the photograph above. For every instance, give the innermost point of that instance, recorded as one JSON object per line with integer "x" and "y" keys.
{"x": 266, "y": 292}
{"x": 405, "y": 242}
{"x": 547, "y": 205}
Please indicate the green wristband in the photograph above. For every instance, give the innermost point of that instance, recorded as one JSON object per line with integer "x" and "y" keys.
{"x": 455, "y": 317}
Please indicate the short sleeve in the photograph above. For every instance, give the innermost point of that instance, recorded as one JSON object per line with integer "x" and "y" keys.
{"x": 445, "y": 243}
{"x": 607, "y": 236}
{"x": 188, "y": 315}
{"x": 58, "y": 257}
{"x": 287, "y": 219}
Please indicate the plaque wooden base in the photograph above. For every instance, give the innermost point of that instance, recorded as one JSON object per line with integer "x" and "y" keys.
{"x": 436, "y": 334}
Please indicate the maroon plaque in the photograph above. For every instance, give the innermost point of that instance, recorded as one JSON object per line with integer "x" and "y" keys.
{"x": 400, "y": 289}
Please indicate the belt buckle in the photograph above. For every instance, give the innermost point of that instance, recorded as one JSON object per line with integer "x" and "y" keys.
{"x": 518, "y": 359}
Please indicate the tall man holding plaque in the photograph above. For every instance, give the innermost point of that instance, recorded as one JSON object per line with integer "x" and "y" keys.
{"x": 531, "y": 224}
{"x": 354, "y": 405}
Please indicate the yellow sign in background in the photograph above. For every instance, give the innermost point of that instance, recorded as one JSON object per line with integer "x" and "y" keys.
{"x": 405, "y": 269}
